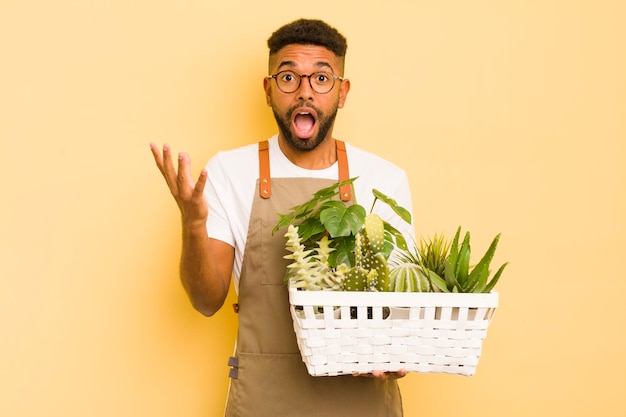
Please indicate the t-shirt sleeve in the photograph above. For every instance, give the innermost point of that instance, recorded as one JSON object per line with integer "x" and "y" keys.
{"x": 218, "y": 226}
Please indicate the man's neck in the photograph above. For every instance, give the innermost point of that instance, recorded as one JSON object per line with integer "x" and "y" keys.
{"x": 319, "y": 158}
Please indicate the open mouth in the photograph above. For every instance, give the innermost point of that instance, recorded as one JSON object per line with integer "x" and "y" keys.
{"x": 304, "y": 121}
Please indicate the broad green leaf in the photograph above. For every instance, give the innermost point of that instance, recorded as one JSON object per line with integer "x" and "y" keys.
{"x": 399, "y": 210}
{"x": 343, "y": 253}
{"x": 342, "y": 220}
{"x": 400, "y": 241}
{"x": 310, "y": 208}
{"x": 310, "y": 228}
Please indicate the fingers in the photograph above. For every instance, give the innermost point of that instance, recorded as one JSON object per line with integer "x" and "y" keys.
{"x": 179, "y": 179}
{"x": 199, "y": 188}
{"x": 187, "y": 187}
{"x": 169, "y": 171}
{"x": 165, "y": 165}
{"x": 156, "y": 153}
{"x": 384, "y": 375}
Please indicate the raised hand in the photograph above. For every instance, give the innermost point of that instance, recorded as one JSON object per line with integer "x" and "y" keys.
{"x": 187, "y": 193}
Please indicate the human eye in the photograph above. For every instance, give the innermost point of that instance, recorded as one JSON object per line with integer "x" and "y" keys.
{"x": 287, "y": 77}
{"x": 322, "y": 77}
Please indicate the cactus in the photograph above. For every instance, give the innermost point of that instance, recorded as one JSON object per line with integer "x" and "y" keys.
{"x": 408, "y": 277}
{"x": 375, "y": 232}
{"x": 356, "y": 278}
{"x": 370, "y": 271}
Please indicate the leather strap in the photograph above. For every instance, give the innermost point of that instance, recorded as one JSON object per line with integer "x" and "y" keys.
{"x": 265, "y": 181}
{"x": 345, "y": 191}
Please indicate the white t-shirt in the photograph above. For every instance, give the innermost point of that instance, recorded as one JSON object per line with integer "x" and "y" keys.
{"x": 231, "y": 184}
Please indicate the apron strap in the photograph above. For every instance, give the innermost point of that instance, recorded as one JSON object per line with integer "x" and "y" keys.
{"x": 265, "y": 182}
{"x": 345, "y": 191}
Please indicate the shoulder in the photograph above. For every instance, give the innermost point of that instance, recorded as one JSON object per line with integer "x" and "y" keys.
{"x": 371, "y": 165}
{"x": 375, "y": 172}
{"x": 234, "y": 158}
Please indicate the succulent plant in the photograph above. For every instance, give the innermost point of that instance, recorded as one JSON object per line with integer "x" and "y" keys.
{"x": 447, "y": 267}
{"x": 336, "y": 246}
{"x": 408, "y": 277}
{"x": 461, "y": 277}
{"x": 309, "y": 269}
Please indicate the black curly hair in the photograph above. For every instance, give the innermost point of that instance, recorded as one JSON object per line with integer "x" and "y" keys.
{"x": 308, "y": 32}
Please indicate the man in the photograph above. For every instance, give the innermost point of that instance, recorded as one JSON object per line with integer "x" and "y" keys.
{"x": 229, "y": 213}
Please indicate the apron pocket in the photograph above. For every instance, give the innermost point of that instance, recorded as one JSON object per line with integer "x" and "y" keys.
{"x": 273, "y": 265}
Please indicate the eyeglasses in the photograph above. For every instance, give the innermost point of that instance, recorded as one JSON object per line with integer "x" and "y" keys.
{"x": 321, "y": 82}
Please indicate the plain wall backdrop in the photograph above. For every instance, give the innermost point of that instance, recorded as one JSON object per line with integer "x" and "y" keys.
{"x": 508, "y": 116}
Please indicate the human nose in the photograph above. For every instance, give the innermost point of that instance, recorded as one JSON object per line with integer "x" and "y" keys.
{"x": 305, "y": 90}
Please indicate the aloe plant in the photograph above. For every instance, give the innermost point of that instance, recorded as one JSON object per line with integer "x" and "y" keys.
{"x": 460, "y": 277}
{"x": 446, "y": 265}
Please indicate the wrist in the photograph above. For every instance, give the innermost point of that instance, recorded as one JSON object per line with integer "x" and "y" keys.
{"x": 194, "y": 226}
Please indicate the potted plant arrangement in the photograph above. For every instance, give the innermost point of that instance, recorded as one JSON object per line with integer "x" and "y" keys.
{"x": 363, "y": 298}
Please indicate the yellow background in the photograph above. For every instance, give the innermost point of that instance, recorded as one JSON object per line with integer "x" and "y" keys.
{"x": 509, "y": 116}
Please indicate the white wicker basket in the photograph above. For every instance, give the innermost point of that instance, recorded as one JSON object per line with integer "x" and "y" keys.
{"x": 359, "y": 332}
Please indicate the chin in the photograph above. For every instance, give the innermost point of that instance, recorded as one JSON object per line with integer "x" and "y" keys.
{"x": 303, "y": 144}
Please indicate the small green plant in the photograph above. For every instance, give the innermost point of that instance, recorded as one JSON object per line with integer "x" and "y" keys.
{"x": 336, "y": 246}
{"x": 415, "y": 269}
{"x": 323, "y": 215}
{"x": 460, "y": 277}
{"x": 352, "y": 245}
{"x": 447, "y": 265}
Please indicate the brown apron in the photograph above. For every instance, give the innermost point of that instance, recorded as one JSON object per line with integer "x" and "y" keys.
{"x": 268, "y": 377}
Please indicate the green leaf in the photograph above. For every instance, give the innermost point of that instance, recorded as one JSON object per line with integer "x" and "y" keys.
{"x": 454, "y": 253}
{"x": 310, "y": 208}
{"x": 310, "y": 229}
{"x": 340, "y": 220}
{"x": 495, "y": 278}
{"x": 435, "y": 280}
{"x": 462, "y": 266}
{"x": 450, "y": 277}
{"x": 343, "y": 253}
{"x": 477, "y": 279}
{"x": 395, "y": 234}
{"x": 399, "y": 210}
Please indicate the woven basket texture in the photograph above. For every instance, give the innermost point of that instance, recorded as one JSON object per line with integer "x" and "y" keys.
{"x": 341, "y": 333}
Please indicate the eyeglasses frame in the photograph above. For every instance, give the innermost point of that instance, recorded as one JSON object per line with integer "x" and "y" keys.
{"x": 335, "y": 78}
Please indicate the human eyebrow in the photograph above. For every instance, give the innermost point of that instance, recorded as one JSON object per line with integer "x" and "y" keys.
{"x": 319, "y": 64}
{"x": 324, "y": 64}
{"x": 289, "y": 64}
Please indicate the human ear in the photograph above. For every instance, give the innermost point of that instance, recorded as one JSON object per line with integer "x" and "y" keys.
{"x": 267, "y": 88}
{"x": 344, "y": 87}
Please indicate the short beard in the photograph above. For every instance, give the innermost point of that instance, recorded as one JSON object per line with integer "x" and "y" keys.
{"x": 304, "y": 145}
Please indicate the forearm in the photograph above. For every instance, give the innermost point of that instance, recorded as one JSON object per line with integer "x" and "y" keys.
{"x": 204, "y": 280}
